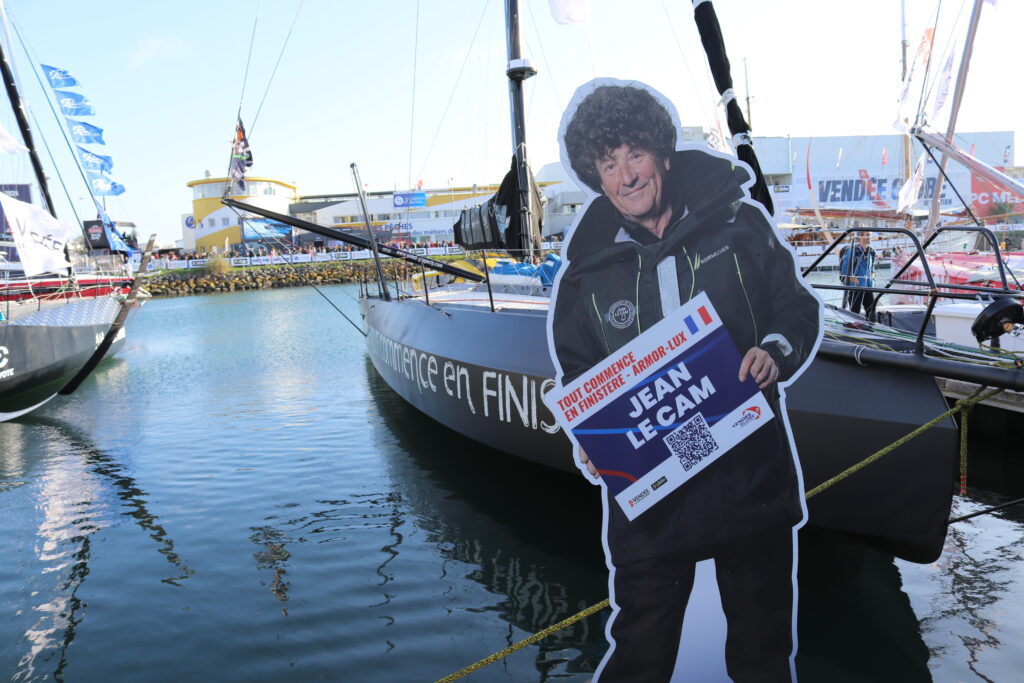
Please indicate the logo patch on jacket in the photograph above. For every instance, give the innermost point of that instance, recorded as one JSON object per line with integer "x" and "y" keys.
{"x": 621, "y": 314}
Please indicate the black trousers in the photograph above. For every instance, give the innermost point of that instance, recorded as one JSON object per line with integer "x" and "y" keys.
{"x": 755, "y": 582}
{"x": 859, "y": 298}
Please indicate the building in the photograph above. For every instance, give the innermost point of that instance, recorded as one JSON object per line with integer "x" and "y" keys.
{"x": 853, "y": 180}
{"x": 213, "y": 227}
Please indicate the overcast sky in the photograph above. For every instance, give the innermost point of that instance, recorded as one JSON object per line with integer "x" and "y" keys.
{"x": 407, "y": 100}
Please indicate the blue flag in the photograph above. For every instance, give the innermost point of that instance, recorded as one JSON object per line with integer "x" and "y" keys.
{"x": 94, "y": 162}
{"x": 58, "y": 78}
{"x": 85, "y": 133}
{"x": 103, "y": 186}
{"x": 114, "y": 238}
{"x": 73, "y": 104}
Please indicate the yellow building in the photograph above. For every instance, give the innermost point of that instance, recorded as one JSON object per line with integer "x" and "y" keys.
{"x": 215, "y": 226}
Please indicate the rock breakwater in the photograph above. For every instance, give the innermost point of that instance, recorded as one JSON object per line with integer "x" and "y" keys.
{"x": 260, "y": 277}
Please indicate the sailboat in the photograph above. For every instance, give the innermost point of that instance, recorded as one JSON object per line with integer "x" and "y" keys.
{"x": 472, "y": 355}
{"x": 975, "y": 281}
{"x": 53, "y": 330}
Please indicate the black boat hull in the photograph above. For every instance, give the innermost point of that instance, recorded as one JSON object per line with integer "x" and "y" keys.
{"x": 482, "y": 374}
{"x": 39, "y": 353}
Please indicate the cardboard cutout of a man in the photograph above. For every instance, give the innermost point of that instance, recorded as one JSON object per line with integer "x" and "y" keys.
{"x": 667, "y": 223}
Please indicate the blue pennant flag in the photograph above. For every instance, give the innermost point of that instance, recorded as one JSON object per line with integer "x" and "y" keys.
{"x": 94, "y": 162}
{"x": 114, "y": 238}
{"x": 58, "y": 78}
{"x": 85, "y": 133}
{"x": 102, "y": 186}
{"x": 73, "y": 104}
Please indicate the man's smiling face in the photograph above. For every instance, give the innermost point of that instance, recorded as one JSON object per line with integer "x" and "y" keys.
{"x": 633, "y": 179}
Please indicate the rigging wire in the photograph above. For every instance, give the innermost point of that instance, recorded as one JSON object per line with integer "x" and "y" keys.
{"x": 67, "y": 140}
{"x": 241, "y": 97}
{"x": 248, "y": 60}
{"x": 928, "y": 64}
{"x": 412, "y": 107}
{"x": 67, "y": 194}
{"x": 276, "y": 64}
{"x": 454, "y": 87}
{"x": 698, "y": 96}
{"x": 544, "y": 56}
{"x": 947, "y": 51}
{"x": 302, "y": 275}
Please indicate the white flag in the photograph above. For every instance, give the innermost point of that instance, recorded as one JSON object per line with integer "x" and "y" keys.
{"x": 943, "y": 91}
{"x": 923, "y": 50}
{"x": 912, "y": 188}
{"x": 8, "y": 145}
{"x": 570, "y": 11}
{"x": 40, "y": 237}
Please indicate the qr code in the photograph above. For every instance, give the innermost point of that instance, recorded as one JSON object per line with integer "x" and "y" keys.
{"x": 691, "y": 441}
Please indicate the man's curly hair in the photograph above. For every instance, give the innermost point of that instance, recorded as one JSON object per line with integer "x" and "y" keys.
{"x": 612, "y": 116}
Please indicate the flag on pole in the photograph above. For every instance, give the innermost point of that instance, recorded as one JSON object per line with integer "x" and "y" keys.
{"x": 943, "y": 91}
{"x": 241, "y": 158}
{"x": 73, "y": 104}
{"x": 103, "y": 186}
{"x": 85, "y": 133}
{"x": 94, "y": 162}
{"x": 58, "y": 78}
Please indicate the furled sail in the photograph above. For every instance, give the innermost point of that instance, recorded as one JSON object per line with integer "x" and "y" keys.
{"x": 498, "y": 222}
{"x": 714, "y": 46}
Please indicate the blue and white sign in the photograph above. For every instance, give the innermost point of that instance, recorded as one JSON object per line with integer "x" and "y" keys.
{"x": 409, "y": 200}
{"x": 663, "y": 407}
{"x": 190, "y": 222}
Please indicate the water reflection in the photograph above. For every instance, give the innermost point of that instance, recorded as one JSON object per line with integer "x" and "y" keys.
{"x": 527, "y": 534}
{"x": 80, "y": 490}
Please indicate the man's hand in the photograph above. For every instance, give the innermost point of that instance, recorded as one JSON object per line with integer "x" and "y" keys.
{"x": 590, "y": 466}
{"x": 760, "y": 366}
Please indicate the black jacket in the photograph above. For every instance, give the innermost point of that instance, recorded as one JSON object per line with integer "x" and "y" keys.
{"x": 726, "y": 248}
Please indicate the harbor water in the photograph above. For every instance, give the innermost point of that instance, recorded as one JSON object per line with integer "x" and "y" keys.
{"x": 238, "y": 497}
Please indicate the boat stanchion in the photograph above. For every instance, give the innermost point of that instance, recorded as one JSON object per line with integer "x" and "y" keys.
{"x": 487, "y": 280}
{"x": 933, "y": 296}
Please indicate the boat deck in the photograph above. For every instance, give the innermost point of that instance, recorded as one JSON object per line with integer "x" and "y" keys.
{"x": 478, "y": 298}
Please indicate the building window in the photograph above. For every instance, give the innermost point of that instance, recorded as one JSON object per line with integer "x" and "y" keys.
{"x": 224, "y": 222}
{"x": 339, "y": 219}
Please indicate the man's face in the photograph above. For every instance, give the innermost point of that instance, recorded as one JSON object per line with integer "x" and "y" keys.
{"x": 865, "y": 240}
{"x": 633, "y": 179}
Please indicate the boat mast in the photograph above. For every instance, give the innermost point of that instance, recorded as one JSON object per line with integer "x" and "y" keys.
{"x": 903, "y": 77}
{"x": 369, "y": 233}
{"x": 19, "y": 113}
{"x": 958, "y": 93}
{"x": 519, "y": 70}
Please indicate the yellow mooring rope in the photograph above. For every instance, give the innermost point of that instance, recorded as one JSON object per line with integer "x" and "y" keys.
{"x": 962, "y": 406}
{"x": 540, "y": 635}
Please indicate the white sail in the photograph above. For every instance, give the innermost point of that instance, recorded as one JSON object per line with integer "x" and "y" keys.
{"x": 40, "y": 237}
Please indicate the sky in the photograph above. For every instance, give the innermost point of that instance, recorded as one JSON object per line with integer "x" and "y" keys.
{"x": 416, "y": 91}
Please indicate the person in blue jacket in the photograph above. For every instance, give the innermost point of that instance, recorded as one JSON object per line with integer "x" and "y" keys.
{"x": 857, "y": 269}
